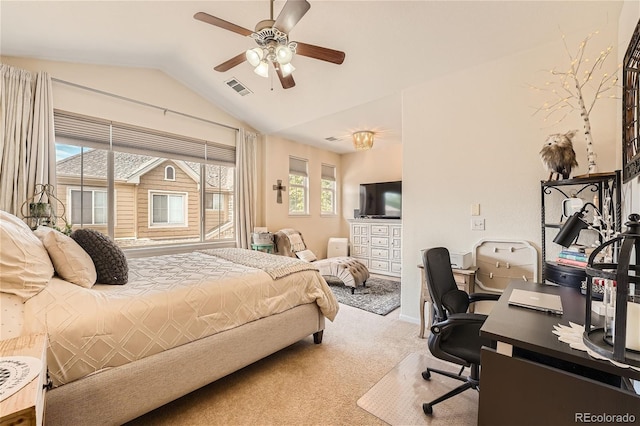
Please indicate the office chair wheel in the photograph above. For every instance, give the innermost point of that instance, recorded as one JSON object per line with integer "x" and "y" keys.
{"x": 427, "y": 408}
{"x": 426, "y": 374}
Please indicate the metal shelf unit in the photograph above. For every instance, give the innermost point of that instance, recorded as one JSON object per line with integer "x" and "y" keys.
{"x": 601, "y": 189}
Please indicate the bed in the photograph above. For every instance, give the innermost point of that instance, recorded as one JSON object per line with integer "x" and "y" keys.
{"x": 180, "y": 322}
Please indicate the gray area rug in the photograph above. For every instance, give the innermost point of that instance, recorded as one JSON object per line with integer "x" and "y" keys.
{"x": 379, "y": 296}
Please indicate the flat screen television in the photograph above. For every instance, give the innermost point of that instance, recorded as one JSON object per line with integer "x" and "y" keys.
{"x": 382, "y": 200}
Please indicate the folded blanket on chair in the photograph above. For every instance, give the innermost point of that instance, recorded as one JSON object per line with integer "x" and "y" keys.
{"x": 295, "y": 240}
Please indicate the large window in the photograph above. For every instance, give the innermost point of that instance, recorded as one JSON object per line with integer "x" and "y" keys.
{"x": 171, "y": 189}
{"x": 168, "y": 209}
{"x": 88, "y": 207}
{"x": 298, "y": 186}
{"x": 328, "y": 190}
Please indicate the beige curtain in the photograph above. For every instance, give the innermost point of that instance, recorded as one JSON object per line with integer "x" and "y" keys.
{"x": 246, "y": 186}
{"x": 27, "y": 145}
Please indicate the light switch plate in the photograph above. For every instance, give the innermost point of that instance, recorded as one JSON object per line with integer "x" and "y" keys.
{"x": 477, "y": 224}
{"x": 475, "y": 209}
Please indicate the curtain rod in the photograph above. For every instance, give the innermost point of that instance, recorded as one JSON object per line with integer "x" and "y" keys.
{"x": 124, "y": 98}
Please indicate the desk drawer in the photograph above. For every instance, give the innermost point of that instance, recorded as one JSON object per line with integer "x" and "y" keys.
{"x": 564, "y": 275}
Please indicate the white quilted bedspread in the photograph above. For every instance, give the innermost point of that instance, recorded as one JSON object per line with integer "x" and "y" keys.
{"x": 169, "y": 301}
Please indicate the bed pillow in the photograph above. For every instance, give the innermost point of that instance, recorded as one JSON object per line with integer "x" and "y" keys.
{"x": 25, "y": 267}
{"x": 306, "y": 255}
{"x": 108, "y": 258}
{"x": 70, "y": 261}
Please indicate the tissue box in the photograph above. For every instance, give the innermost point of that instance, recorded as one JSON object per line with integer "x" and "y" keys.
{"x": 460, "y": 260}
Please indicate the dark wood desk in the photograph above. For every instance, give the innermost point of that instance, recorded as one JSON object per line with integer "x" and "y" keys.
{"x": 532, "y": 378}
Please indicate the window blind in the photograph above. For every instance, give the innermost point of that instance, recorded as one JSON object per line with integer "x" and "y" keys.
{"x": 328, "y": 172}
{"x": 298, "y": 166}
{"x": 89, "y": 131}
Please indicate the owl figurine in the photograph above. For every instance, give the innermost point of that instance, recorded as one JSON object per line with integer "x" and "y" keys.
{"x": 558, "y": 156}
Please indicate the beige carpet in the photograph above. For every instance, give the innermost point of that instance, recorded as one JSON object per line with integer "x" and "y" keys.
{"x": 308, "y": 384}
{"x": 397, "y": 398}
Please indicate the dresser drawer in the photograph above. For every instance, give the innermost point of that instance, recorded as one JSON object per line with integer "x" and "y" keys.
{"x": 379, "y": 265}
{"x": 357, "y": 251}
{"x": 380, "y": 253}
{"x": 379, "y": 230}
{"x": 360, "y": 240}
{"x": 396, "y": 267}
{"x": 380, "y": 241}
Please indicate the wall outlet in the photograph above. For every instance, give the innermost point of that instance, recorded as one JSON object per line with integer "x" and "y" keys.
{"x": 477, "y": 224}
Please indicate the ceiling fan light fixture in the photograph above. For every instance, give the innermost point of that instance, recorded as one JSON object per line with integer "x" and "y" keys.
{"x": 287, "y": 69}
{"x": 363, "y": 140}
{"x": 254, "y": 56}
{"x": 283, "y": 54}
{"x": 262, "y": 69}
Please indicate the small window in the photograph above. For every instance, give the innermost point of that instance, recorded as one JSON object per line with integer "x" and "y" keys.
{"x": 169, "y": 173}
{"x": 298, "y": 186}
{"x": 168, "y": 209}
{"x": 328, "y": 190}
{"x": 88, "y": 207}
{"x": 213, "y": 201}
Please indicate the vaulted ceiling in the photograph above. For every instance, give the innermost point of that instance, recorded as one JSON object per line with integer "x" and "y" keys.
{"x": 390, "y": 46}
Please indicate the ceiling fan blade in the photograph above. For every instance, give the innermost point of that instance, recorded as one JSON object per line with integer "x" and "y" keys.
{"x": 205, "y": 17}
{"x": 322, "y": 53}
{"x": 291, "y": 14}
{"x": 227, "y": 65}
{"x": 287, "y": 82}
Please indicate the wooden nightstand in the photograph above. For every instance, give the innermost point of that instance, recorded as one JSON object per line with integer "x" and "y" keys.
{"x": 25, "y": 407}
{"x": 466, "y": 280}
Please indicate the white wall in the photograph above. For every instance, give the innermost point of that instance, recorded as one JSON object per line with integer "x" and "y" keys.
{"x": 142, "y": 84}
{"x": 470, "y": 138}
{"x": 379, "y": 164}
{"x": 315, "y": 228}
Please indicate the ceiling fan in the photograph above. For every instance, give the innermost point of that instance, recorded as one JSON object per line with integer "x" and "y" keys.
{"x": 273, "y": 42}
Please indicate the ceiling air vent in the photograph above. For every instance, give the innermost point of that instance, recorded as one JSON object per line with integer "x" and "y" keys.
{"x": 332, "y": 139}
{"x": 238, "y": 87}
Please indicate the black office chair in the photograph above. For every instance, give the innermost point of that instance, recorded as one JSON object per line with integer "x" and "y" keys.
{"x": 455, "y": 333}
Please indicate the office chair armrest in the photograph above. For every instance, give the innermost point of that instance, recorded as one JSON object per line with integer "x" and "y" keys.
{"x": 476, "y": 297}
{"x": 457, "y": 319}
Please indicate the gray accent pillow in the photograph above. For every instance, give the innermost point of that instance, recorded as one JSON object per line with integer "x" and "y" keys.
{"x": 109, "y": 259}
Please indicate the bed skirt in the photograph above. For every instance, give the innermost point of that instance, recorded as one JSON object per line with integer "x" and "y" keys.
{"x": 117, "y": 395}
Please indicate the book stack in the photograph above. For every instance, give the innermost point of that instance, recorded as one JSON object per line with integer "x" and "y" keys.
{"x": 575, "y": 255}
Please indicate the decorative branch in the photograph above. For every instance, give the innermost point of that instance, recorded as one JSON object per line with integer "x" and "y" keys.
{"x": 567, "y": 91}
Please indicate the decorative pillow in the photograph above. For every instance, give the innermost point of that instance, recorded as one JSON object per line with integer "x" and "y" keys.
{"x": 108, "y": 258}
{"x": 25, "y": 267}
{"x": 70, "y": 261}
{"x": 306, "y": 255}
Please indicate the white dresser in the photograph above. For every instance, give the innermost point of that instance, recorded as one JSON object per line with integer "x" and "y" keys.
{"x": 378, "y": 244}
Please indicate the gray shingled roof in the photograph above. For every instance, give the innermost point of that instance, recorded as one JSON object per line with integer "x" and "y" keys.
{"x": 94, "y": 164}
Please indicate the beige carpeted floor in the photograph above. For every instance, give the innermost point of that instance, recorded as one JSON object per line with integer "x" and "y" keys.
{"x": 308, "y": 384}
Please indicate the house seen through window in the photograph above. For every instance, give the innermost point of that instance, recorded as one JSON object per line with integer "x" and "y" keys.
{"x": 158, "y": 183}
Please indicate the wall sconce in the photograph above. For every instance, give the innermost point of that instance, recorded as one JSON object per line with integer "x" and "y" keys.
{"x": 363, "y": 140}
